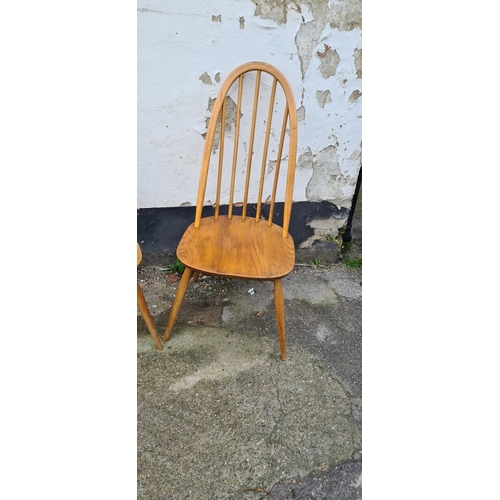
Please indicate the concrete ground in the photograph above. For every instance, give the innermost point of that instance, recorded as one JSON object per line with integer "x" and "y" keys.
{"x": 220, "y": 416}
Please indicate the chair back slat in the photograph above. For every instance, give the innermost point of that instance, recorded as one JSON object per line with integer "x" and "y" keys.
{"x": 277, "y": 167}
{"x": 236, "y": 142}
{"x": 266, "y": 142}
{"x": 266, "y": 148}
{"x": 250, "y": 147}
{"x": 221, "y": 159}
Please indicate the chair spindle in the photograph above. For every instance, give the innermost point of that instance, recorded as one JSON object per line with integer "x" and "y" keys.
{"x": 278, "y": 164}
{"x": 236, "y": 141}
{"x": 266, "y": 148}
{"x": 250, "y": 147}
{"x": 221, "y": 157}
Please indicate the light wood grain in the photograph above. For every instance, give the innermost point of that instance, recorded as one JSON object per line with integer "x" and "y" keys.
{"x": 235, "y": 245}
{"x": 139, "y": 255}
{"x": 143, "y": 308}
{"x": 179, "y": 296}
{"x": 238, "y": 248}
{"x": 279, "y": 304}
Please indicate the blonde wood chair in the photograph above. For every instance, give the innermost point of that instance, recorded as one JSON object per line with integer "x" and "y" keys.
{"x": 243, "y": 246}
{"x": 143, "y": 307}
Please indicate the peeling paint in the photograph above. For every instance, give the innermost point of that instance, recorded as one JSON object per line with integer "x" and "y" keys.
{"x": 323, "y": 96}
{"x": 315, "y": 43}
{"x": 327, "y": 181}
{"x": 231, "y": 109}
{"x": 271, "y": 9}
{"x": 345, "y": 14}
{"x": 205, "y": 78}
{"x": 356, "y": 94}
{"x": 309, "y": 33}
{"x": 305, "y": 161}
{"x": 357, "y": 62}
{"x": 329, "y": 60}
{"x": 301, "y": 114}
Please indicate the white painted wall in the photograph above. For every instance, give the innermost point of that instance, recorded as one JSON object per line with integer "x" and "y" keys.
{"x": 178, "y": 41}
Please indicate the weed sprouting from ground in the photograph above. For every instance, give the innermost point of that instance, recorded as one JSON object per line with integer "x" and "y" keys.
{"x": 177, "y": 267}
{"x": 352, "y": 263}
{"x": 316, "y": 262}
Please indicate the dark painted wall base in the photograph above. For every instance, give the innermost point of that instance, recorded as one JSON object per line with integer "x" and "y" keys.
{"x": 159, "y": 230}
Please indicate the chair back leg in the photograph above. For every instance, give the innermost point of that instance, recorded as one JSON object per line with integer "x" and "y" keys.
{"x": 279, "y": 304}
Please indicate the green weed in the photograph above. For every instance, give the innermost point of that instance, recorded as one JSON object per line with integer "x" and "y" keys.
{"x": 316, "y": 262}
{"x": 352, "y": 263}
{"x": 177, "y": 267}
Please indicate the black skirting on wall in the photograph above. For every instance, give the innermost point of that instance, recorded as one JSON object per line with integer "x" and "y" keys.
{"x": 159, "y": 230}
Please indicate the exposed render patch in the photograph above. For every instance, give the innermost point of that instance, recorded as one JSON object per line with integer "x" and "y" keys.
{"x": 355, "y": 155}
{"x": 272, "y": 9}
{"x": 357, "y": 62}
{"x": 217, "y": 19}
{"x": 205, "y": 78}
{"x": 309, "y": 32}
{"x": 327, "y": 181}
{"x": 345, "y": 15}
{"x": 323, "y": 96}
{"x": 305, "y": 161}
{"x": 354, "y": 96}
{"x": 301, "y": 114}
{"x": 230, "y": 119}
{"x": 326, "y": 220}
{"x": 329, "y": 60}
{"x": 217, "y": 77}
{"x": 242, "y": 23}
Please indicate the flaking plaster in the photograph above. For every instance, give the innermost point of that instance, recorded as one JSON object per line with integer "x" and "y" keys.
{"x": 186, "y": 50}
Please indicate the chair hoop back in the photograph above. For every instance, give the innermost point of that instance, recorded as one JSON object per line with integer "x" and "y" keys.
{"x": 224, "y": 127}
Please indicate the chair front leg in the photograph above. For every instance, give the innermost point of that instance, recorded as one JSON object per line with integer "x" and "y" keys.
{"x": 179, "y": 296}
{"x": 279, "y": 304}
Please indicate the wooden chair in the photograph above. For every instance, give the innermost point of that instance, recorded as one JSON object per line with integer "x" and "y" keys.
{"x": 143, "y": 307}
{"x": 243, "y": 246}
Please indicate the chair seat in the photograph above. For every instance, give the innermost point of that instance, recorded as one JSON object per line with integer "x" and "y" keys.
{"x": 237, "y": 248}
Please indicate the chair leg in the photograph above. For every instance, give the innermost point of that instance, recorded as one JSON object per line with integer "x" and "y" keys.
{"x": 143, "y": 307}
{"x": 279, "y": 304}
{"x": 195, "y": 276}
{"x": 179, "y": 296}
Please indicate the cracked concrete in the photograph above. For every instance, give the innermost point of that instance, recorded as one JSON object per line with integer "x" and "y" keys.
{"x": 220, "y": 416}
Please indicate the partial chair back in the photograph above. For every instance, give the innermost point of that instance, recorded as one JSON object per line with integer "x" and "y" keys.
{"x": 253, "y": 124}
